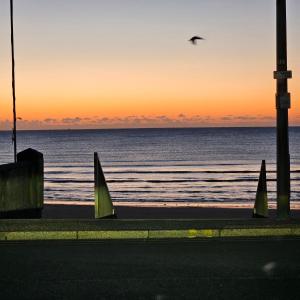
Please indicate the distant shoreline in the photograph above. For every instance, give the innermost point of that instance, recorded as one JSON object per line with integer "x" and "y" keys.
{"x": 146, "y": 128}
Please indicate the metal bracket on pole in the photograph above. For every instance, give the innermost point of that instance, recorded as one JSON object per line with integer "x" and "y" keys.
{"x": 282, "y": 74}
{"x": 283, "y": 101}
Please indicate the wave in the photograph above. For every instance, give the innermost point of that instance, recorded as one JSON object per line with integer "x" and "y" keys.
{"x": 68, "y": 181}
{"x": 162, "y": 180}
{"x": 169, "y": 172}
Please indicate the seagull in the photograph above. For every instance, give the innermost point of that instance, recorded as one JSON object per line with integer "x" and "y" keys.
{"x": 194, "y": 39}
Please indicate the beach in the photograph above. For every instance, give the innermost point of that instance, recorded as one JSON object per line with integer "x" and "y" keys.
{"x": 77, "y": 210}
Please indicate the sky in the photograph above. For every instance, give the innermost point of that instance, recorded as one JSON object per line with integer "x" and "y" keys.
{"x": 128, "y": 63}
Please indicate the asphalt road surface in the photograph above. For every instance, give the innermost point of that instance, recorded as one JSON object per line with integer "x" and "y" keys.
{"x": 169, "y": 269}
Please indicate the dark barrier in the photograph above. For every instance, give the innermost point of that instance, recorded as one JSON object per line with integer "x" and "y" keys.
{"x": 22, "y": 186}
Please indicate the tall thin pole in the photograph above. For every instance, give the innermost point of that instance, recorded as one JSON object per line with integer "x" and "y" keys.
{"x": 283, "y": 103}
{"x": 14, "y": 136}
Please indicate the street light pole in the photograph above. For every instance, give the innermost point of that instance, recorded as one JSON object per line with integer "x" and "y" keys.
{"x": 14, "y": 136}
{"x": 283, "y": 103}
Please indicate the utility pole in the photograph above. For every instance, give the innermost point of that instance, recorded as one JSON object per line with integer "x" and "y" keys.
{"x": 14, "y": 136}
{"x": 283, "y": 104}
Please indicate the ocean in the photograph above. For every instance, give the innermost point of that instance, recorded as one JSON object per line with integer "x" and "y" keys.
{"x": 159, "y": 165}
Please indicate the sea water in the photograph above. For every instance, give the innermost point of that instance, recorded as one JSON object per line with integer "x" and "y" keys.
{"x": 163, "y": 165}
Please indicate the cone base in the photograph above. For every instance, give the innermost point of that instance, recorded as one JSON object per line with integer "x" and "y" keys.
{"x": 254, "y": 215}
{"x": 108, "y": 217}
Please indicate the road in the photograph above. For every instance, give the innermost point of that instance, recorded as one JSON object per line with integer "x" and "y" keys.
{"x": 168, "y": 269}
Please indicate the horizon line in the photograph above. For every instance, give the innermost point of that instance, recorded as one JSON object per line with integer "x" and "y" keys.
{"x": 139, "y": 128}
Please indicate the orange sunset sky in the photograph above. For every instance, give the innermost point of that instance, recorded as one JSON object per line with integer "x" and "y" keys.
{"x": 115, "y": 64}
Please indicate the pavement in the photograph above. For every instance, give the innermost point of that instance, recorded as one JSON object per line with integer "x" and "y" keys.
{"x": 224, "y": 268}
{"x": 80, "y": 229}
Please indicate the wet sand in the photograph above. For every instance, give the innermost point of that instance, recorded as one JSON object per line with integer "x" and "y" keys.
{"x": 59, "y": 211}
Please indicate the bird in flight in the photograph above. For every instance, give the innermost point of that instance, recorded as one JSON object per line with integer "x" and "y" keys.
{"x": 194, "y": 39}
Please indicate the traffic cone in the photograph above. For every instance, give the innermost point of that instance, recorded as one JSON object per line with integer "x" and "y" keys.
{"x": 103, "y": 204}
{"x": 261, "y": 201}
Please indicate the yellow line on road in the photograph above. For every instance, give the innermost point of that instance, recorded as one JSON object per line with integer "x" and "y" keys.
{"x": 110, "y": 234}
{"x": 148, "y": 234}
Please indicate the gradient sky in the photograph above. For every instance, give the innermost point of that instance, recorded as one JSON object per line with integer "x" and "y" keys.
{"x": 127, "y": 63}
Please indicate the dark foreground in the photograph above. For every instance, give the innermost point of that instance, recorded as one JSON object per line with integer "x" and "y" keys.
{"x": 174, "y": 269}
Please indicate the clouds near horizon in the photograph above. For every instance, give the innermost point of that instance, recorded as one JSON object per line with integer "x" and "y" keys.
{"x": 135, "y": 121}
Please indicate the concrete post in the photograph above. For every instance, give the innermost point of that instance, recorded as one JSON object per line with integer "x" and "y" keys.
{"x": 36, "y": 179}
{"x": 22, "y": 186}
{"x": 103, "y": 203}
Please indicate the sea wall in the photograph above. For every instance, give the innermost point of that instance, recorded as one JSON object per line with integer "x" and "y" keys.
{"x": 22, "y": 186}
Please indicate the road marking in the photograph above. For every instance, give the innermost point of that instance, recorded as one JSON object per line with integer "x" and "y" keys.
{"x": 41, "y": 235}
{"x": 149, "y": 234}
{"x": 110, "y": 234}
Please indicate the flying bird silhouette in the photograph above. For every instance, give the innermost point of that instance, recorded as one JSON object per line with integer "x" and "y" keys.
{"x": 194, "y": 39}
